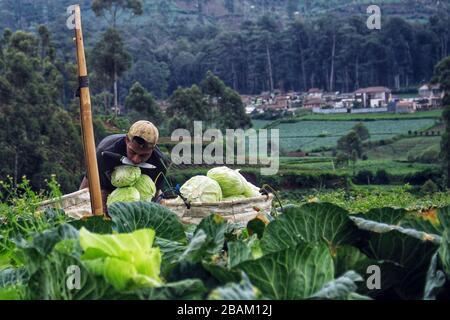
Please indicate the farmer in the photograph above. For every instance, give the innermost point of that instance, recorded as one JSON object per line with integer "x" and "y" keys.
{"x": 139, "y": 146}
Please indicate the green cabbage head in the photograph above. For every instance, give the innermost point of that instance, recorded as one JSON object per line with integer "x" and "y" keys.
{"x": 230, "y": 181}
{"x": 201, "y": 189}
{"x": 146, "y": 187}
{"x": 250, "y": 190}
{"x": 127, "y": 194}
{"x": 125, "y": 176}
{"x": 127, "y": 261}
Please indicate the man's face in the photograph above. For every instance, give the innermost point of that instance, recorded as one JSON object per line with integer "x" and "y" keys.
{"x": 137, "y": 153}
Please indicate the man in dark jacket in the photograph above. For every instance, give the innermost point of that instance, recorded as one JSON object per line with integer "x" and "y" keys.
{"x": 139, "y": 145}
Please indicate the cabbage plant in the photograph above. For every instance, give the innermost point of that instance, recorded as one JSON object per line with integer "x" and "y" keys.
{"x": 126, "y": 261}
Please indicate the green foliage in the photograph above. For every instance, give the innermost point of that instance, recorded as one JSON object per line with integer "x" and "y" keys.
{"x": 113, "y": 8}
{"x": 382, "y": 177}
{"x": 429, "y": 187}
{"x": 128, "y": 217}
{"x": 310, "y": 223}
{"x": 343, "y": 288}
{"x": 442, "y": 76}
{"x": 143, "y": 103}
{"x": 110, "y": 58}
{"x": 444, "y": 250}
{"x": 263, "y": 55}
{"x": 342, "y": 159}
{"x": 350, "y": 144}
{"x": 233, "y": 291}
{"x": 152, "y": 75}
{"x": 362, "y": 132}
{"x": 191, "y": 289}
{"x": 187, "y": 104}
{"x": 124, "y": 260}
{"x": 328, "y": 250}
{"x": 291, "y": 274}
{"x": 37, "y": 137}
{"x": 435, "y": 280}
{"x": 308, "y": 135}
{"x": 429, "y": 155}
{"x": 363, "y": 200}
{"x": 364, "y": 177}
{"x": 226, "y": 109}
{"x": 12, "y": 284}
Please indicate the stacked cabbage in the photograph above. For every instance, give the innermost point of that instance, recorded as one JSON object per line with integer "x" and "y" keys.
{"x": 221, "y": 183}
{"x": 201, "y": 189}
{"x": 131, "y": 185}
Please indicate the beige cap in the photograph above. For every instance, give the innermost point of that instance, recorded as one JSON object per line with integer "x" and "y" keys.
{"x": 145, "y": 130}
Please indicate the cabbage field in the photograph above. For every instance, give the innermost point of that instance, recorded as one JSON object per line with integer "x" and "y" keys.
{"x": 310, "y": 251}
{"x": 310, "y": 135}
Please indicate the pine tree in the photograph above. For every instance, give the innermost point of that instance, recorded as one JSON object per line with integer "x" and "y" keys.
{"x": 142, "y": 105}
{"x": 110, "y": 60}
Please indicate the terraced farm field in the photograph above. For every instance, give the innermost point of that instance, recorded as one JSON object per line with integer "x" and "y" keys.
{"x": 309, "y": 135}
{"x": 399, "y": 150}
{"x": 259, "y": 124}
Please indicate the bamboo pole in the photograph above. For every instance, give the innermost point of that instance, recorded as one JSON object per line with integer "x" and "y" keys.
{"x": 86, "y": 120}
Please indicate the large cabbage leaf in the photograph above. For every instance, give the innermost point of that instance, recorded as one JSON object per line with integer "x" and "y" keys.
{"x": 128, "y": 217}
{"x": 126, "y": 261}
{"x": 291, "y": 274}
{"x": 310, "y": 223}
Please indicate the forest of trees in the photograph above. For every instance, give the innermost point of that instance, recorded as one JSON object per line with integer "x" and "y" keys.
{"x": 335, "y": 53}
{"x": 38, "y": 137}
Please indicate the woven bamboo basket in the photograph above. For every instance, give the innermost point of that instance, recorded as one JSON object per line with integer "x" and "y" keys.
{"x": 237, "y": 211}
{"x": 76, "y": 205}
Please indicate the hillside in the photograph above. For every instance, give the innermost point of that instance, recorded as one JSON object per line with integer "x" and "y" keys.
{"x": 24, "y": 14}
{"x": 174, "y": 43}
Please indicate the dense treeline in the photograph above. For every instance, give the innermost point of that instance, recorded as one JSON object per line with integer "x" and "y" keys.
{"x": 167, "y": 50}
{"x": 38, "y": 137}
{"x": 331, "y": 53}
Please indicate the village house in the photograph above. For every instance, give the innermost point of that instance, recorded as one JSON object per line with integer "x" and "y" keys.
{"x": 311, "y": 103}
{"x": 373, "y": 97}
{"x": 405, "y": 106}
{"x": 431, "y": 95}
{"x": 314, "y": 93}
{"x": 279, "y": 102}
{"x": 344, "y": 100}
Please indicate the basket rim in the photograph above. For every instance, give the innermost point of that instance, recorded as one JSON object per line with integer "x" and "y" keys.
{"x": 65, "y": 197}
{"x": 172, "y": 203}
